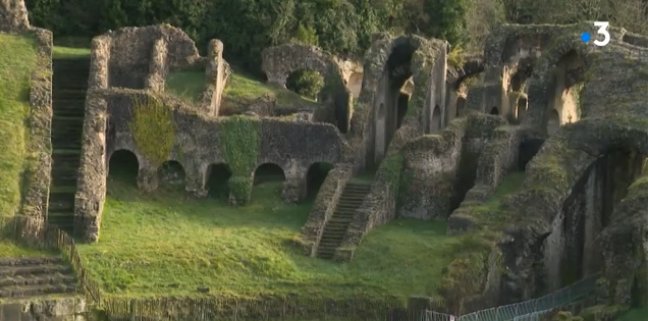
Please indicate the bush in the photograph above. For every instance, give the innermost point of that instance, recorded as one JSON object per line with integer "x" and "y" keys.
{"x": 307, "y": 83}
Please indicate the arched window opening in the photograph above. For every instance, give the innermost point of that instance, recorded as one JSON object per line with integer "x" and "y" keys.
{"x": 494, "y": 111}
{"x": 217, "y": 181}
{"x": 461, "y": 104}
{"x": 268, "y": 173}
{"x": 123, "y": 168}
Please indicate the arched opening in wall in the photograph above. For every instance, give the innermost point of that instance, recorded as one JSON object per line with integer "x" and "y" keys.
{"x": 568, "y": 77}
{"x": 395, "y": 75}
{"x": 436, "y": 119}
{"x": 217, "y": 181}
{"x": 123, "y": 168}
{"x": 554, "y": 122}
{"x": 268, "y": 179}
{"x": 527, "y": 150}
{"x": 461, "y": 104}
{"x": 172, "y": 175}
{"x": 403, "y": 101}
{"x": 494, "y": 111}
{"x": 569, "y": 251}
{"x": 315, "y": 178}
{"x": 306, "y": 83}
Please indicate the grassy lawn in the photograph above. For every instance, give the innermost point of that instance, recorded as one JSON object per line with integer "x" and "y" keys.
{"x": 489, "y": 210}
{"x": 169, "y": 244}
{"x": 241, "y": 90}
{"x": 11, "y": 249}
{"x": 635, "y": 315}
{"x": 17, "y": 60}
{"x": 59, "y": 52}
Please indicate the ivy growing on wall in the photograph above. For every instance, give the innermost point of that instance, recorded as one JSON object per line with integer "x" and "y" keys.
{"x": 240, "y": 140}
{"x": 153, "y": 129}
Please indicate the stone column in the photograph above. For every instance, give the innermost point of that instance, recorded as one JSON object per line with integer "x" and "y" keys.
{"x": 147, "y": 177}
{"x": 195, "y": 180}
{"x": 216, "y": 77}
{"x": 295, "y": 186}
{"x": 158, "y": 66}
{"x": 13, "y": 16}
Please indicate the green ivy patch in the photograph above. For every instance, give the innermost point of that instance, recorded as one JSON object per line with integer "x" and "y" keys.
{"x": 240, "y": 141}
{"x": 153, "y": 129}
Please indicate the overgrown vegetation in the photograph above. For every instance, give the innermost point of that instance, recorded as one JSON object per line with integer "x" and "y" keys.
{"x": 9, "y": 248}
{"x": 59, "y": 52}
{"x": 307, "y": 83}
{"x": 166, "y": 245}
{"x": 240, "y": 137}
{"x": 153, "y": 129}
{"x": 18, "y": 59}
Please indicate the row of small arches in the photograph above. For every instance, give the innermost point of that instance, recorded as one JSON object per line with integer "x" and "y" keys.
{"x": 124, "y": 166}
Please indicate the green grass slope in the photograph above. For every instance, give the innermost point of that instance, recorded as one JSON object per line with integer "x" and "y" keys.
{"x": 635, "y": 315}
{"x": 17, "y": 60}
{"x": 170, "y": 244}
{"x": 241, "y": 90}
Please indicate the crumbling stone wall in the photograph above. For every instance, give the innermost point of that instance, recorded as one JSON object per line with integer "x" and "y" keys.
{"x": 142, "y": 57}
{"x": 197, "y": 145}
{"x": 13, "y": 16}
{"x": 51, "y": 309}
{"x": 279, "y": 62}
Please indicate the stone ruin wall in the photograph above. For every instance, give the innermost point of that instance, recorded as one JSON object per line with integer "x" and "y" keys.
{"x": 142, "y": 58}
{"x": 109, "y": 111}
{"x": 30, "y": 221}
{"x": 279, "y": 62}
{"x": 13, "y": 16}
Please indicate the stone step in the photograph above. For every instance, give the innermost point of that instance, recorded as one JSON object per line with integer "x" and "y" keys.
{"x": 61, "y": 201}
{"x": 34, "y": 269}
{"x": 27, "y": 261}
{"x": 29, "y": 291}
{"x": 53, "y": 279}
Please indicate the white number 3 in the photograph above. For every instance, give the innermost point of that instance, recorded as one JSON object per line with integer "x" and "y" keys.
{"x": 603, "y": 30}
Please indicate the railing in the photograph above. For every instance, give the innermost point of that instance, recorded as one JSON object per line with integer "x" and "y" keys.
{"x": 527, "y": 310}
{"x": 60, "y": 240}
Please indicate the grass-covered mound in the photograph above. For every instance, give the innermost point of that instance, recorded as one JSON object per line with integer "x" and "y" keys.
{"x": 169, "y": 244}
{"x": 241, "y": 90}
{"x": 18, "y": 59}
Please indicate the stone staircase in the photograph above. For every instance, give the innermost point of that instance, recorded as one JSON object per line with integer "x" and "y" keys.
{"x": 29, "y": 277}
{"x": 69, "y": 90}
{"x": 336, "y": 227}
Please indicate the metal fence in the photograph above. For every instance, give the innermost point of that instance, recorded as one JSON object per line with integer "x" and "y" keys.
{"x": 531, "y": 310}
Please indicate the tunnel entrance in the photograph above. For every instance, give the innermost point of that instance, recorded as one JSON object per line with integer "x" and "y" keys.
{"x": 268, "y": 179}
{"x": 315, "y": 178}
{"x": 527, "y": 150}
{"x": 494, "y": 111}
{"x": 217, "y": 182}
{"x": 569, "y": 250}
{"x": 436, "y": 120}
{"x": 123, "y": 168}
{"x": 172, "y": 175}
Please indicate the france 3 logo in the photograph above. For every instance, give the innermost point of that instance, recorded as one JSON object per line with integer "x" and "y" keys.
{"x": 602, "y": 32}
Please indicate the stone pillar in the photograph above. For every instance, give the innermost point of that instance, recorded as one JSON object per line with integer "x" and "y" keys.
{"x": 99, "y": 62}
{"x": 295, "y": 186}
{"x": 147, "y": 177}
{"x": 216, "y": 72}
{"x": 158, "y": 66}
{"x": 13, "y": 16}
{"x": 195, "y": 180}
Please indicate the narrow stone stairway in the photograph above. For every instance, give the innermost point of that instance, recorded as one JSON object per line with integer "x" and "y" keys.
{"x": 69, "y": 91}
{"x": 27, "y": 277}
{"x": 336, "y": 227}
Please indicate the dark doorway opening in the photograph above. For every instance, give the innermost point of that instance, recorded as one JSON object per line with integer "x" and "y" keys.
{"x": 315, "y": 178}
{"x": 217, "y": 182}
{"x": 494, "y": 111}
{"x": 527, "y": 150}
{"x": 403, "y": 101}
{"x": 123, "y": 167}
{"x": 267, "y": 173}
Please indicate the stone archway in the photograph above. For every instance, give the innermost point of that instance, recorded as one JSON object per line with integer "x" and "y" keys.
{"x": 218, "y": 176}
{"x": 123, "y": 167}
{"x": 279, "y": 62}
{"x": 171, "y": 175}
{"x": 436, "y": 119}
